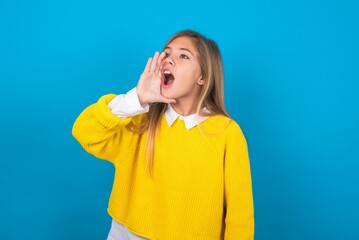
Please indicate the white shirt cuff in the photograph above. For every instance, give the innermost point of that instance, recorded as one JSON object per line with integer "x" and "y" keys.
{"x": 127, "y": 105}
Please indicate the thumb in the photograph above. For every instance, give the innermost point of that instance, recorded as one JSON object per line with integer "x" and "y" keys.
{"x": 167, "y": 100}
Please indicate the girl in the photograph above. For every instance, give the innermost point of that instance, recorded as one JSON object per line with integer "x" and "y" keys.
{"x": 182, "y": 166}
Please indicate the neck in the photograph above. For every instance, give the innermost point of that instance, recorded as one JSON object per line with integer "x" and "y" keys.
{"x": 184, "y": 109}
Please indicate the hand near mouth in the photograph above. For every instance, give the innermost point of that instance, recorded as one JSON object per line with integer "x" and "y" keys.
{"x": 149, "y": 84}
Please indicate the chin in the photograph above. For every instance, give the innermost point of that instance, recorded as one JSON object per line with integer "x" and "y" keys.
{"x": 167, "y": 92}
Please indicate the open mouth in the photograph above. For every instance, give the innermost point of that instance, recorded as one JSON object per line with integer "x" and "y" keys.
{"x": 168, "y": 78}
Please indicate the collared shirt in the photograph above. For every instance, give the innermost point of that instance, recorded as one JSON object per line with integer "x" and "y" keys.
{"x": 120, "y": 232}
{"x": 126, "y": 105}
{"x": 190, "y": 121}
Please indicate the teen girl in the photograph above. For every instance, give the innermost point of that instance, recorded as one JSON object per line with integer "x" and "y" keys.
{"x": 182, "y": 166}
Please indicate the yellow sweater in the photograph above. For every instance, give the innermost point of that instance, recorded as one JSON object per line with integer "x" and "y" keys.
{"x": 201, "y": 184}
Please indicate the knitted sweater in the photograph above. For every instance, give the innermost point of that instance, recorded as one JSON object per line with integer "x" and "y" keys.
{"x": 200, "y": 188}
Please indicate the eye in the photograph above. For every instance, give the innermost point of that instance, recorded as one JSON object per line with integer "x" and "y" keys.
{"x": 184, "y": 56}
{"x": 167, "y": 54}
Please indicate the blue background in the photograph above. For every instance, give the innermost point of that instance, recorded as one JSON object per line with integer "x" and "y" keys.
{"x": 291, "y": 82}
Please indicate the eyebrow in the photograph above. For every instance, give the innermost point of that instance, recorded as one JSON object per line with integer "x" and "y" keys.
{"x": 184, "y": 49}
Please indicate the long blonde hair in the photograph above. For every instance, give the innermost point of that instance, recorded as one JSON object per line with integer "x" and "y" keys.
{"x": 211, "y": 95}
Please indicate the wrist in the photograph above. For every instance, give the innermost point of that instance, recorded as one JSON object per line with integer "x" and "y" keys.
{"x": 140, "y": 98}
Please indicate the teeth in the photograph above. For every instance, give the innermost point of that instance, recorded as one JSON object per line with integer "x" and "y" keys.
{"x": 167, "y": 72}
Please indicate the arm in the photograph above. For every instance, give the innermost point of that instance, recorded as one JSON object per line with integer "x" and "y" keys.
{"x": 101, "y": 126}
{"x": 238, "y": 188}
{"x": 127, "y": 105}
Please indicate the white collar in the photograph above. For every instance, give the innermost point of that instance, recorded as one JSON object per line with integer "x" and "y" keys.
{"x": 190, "y": 121}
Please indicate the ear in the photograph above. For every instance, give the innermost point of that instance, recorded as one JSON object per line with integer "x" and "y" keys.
{"x": 201, "y": 81}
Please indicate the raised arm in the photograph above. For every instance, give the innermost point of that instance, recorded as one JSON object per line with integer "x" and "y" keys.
{"x": 100, "y": 128}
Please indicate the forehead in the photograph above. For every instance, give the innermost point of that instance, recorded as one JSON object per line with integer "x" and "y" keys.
{"x": 183, "y": 42}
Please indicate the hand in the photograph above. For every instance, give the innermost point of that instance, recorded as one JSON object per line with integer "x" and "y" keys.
{"x": 149, "y": 85}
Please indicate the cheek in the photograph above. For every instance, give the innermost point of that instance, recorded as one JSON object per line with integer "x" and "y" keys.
{"x": 192, "y": 73}
{"x": 190, "y": 77}
{"x": 188, "y": 73}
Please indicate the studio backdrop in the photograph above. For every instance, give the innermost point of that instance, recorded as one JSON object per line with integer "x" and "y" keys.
{"x": 291, "y": 82}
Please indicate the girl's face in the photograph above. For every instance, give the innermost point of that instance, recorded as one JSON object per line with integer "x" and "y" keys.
{"x": 181, "y": 71}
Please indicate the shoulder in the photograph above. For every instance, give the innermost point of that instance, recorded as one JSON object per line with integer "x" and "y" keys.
{"x": 227, "y": 127}
{"x": 221, "y": 122}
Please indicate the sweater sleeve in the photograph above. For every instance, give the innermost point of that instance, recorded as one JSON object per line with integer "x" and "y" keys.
{"x": 100, "y": 132}
{"x": 239, "y": 218}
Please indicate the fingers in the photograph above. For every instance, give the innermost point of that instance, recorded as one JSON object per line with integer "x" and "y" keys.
{"x": 148, "y": 65}
{"x": 160, "y": 60}
{"x": 154, "y": 62}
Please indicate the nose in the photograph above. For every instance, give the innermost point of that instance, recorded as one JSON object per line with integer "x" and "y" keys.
{"x": 169, "y": 60}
